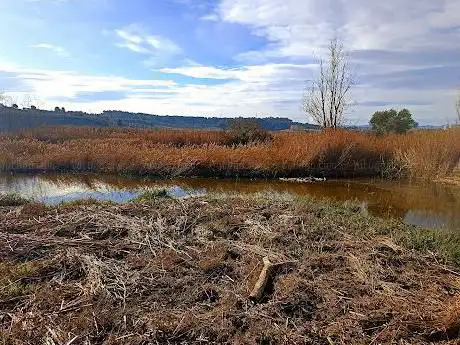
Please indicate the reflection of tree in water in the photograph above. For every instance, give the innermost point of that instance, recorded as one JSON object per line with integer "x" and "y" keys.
{"x": 66, "y": 180}
{"x": 451, "y": 194}
{"x": 387, "y": 211}
{"x": 92, "y": 181}
{"x": 384, "y": 198}
{"x": 102, "y": 182}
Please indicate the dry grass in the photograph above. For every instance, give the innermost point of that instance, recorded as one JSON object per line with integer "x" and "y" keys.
{"x": 420, "y": 154}
{"x": 180, "y": 272}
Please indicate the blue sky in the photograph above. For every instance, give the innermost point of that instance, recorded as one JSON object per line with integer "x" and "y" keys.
{"x": 228, "y": 57}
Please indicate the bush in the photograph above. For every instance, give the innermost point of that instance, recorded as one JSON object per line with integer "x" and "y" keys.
{"x": 246, "y": 131}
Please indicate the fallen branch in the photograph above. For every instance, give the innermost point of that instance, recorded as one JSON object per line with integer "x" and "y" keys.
{"x": 259, "y": 287}
{"x": 261, "y": 283}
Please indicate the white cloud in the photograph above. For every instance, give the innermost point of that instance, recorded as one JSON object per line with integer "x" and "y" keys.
{"x": 406, "y": 30}
{"x": 205, "y": 72}
{"x": 50, "y": 84}
{"x": 212, "y": 17}
{"x": 159, "y": 49}
{"x": 268, "y": 73}
{"x": 255, "y": 90}
{"x": 298, "y": 28}
{"x": 55, "y": 49}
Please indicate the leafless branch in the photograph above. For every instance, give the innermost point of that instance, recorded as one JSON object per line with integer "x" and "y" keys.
{"x": 457, "y": 106}
{"x": 327, "y": 98}
{"x": 5, "y": 99}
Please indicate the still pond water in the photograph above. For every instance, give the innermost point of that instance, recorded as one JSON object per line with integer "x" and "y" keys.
{"x": 428, "y": 205}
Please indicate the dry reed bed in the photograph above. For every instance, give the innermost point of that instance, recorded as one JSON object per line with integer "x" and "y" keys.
{"x": 180, "y": 272}
{"x": 421, "y": 154}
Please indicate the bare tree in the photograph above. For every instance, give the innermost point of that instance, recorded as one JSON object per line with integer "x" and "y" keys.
{"x": 328, "y": 97}
{"x": 31, "y": 100}
{"x": 27, "y": 101}
{"x": 5, "y": 99}
{"x": 457, "y": 106}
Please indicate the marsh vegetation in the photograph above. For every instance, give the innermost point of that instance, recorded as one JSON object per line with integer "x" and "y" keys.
{"x": 180, "y": 271}
{"x": 330, "y": 153}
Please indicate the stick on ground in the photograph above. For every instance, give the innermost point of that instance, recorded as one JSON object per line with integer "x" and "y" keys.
{"x": 259, "y": 287}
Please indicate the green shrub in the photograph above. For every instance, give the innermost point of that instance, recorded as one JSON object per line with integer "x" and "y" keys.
{"x": 151, "y": 195}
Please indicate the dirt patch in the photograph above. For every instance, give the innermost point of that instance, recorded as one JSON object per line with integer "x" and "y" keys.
{"x": 181, "y": 271}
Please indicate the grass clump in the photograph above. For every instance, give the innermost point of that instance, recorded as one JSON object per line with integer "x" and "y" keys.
{"x": 12, "y": 200}
{"x": 446, "y": 244}
{"x": 85, "y": 202}
{"x": 151, "y": 195}
{"x": 15, "y": 278}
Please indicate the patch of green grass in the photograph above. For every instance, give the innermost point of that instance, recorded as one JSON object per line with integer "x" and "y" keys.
{"x": 442, "y": 242}
{"x": 151, "y": 195}
{"x": 13, "y": 271}
{"x": 85, "y": 202}
{"x": 330, "y": 218}
{"x": 12, "y": 200}
{"x": 17, "y": 289}
{"x": 347, "y": 217}
{"x": 11, "y": 275}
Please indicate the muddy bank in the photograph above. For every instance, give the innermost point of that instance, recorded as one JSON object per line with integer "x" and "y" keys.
{"x": 180, "y": 272}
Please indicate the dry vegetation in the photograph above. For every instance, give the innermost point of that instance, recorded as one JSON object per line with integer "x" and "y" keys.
{"x": 420, "y": 154}
{"x": 180, "y": 272}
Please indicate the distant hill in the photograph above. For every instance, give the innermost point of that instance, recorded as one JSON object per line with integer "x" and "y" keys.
{"x": 12, "y": 119}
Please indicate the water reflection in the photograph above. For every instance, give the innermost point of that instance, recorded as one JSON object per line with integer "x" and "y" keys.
{"x": 429, "y": 205}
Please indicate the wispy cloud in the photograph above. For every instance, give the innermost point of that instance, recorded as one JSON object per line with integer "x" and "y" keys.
{"x": 213, "y": 17}
{"x": 67, "y": 84}
{"x": 53, "y": 48}
{"x": 136, "y": 39}
{"x": 269, "y": 73}
{"x": 297, "y": 28}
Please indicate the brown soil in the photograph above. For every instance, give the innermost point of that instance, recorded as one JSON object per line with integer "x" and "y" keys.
{"x": 180, "y": 272}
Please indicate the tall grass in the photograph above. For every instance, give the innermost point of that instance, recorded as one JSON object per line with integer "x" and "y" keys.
{"x": 419, "y": 154}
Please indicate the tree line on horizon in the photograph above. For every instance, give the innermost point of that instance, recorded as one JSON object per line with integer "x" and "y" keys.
{"x": 15, "y": 118}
